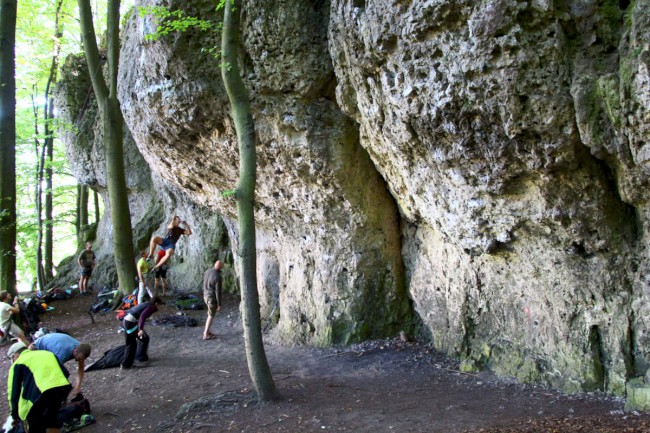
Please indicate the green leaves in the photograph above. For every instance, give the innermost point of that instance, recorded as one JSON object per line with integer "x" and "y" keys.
{"x": 229, "y": 193}
{"x": 222, "y": 3}
{"x": 169, "y": 21}
{"x": 177, "y": 21}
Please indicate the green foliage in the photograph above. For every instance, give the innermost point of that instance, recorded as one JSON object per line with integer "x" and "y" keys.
{"x": 173, "y": 21}
{"x": 64, "y": 199}
{"x": 36, "y": 43}
{"x": 35, "y": 40}
{"x": 170, "y": 21}
{"x": 126, "y": 17}
{"x": 229, "y": 193}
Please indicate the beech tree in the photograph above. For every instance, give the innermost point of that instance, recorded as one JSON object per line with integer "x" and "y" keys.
{"x": 45, "y": 31}
{"x": 48, "y": 149}
{"x": 8, "y": 145}
{"x": 113, "y": 121}
{"x": 96, "y": 202}
{"x": 44, "y": 158}
{"x": 82, "y": 214}
{"x": 258, "y": 366}
{"x": 172, "y": 21}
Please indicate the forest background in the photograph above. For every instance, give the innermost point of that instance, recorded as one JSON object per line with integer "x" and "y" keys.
{"x": 46, "y": 33}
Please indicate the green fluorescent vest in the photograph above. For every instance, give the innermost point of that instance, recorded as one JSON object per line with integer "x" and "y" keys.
{"x": 33, "y": 373}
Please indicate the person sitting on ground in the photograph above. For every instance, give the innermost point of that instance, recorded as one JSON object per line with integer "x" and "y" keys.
{"x": 86, "y": 262}
{"x": 36, "y": 387}
{"x": 133, "y": 324}
{"x": 161, "y": 274}
{"x": 143, "y": 268}
{"x": 66, "y": 348}
{"x": 168, "y": 243}
{"x": 7, "y": 308}
{"x": 212, "y": 287}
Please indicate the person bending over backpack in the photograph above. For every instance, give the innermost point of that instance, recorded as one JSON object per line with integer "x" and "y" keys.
{"x": 66, "y": 348}
{"x": 133, "y": 323}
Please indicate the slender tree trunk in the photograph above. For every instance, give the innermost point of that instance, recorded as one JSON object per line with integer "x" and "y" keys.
{"x": 258, "y": 366}
{"x": 40, "y": 274}
{"x": 49, "y": 211}
{"x": 112, "y": 127}
{"x": 38, "y": 193}
{"x": 96, "y": 196}
{"x": 49, "y": 148}
{"x": 83, "y": 215}
{"x": 44, "y": 156}
{"x": 8, "y": 145}
{"x": 77, "y": 222}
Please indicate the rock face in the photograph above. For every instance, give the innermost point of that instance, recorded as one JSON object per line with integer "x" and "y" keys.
{"x": 512, "y": 135}
{"x": 152, "y": 201}
{"x": 328, "y": 230}
{"x": 481, "y": 167}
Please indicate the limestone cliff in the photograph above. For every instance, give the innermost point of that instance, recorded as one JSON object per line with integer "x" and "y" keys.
{"x": 482, "y": 166}
{"x": 512, "y": 136}
{"x": 152, "y": 201}
{"x": 328, "y": 230}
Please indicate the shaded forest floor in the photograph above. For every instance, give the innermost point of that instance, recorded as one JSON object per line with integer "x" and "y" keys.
{"x": 191, "y": 385}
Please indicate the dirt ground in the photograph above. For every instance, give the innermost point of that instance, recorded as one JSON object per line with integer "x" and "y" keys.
{"x": 378, "y": 386}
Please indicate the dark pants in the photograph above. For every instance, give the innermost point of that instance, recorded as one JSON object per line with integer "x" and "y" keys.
{"x": 131, "y": 337}
{"x": 136, "y": 348}
{"x": 44, "y": 412}
{"x": 143, "y": 346}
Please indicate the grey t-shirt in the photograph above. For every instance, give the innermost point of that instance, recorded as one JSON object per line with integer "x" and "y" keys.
{"x": 87, "y": 257}
{"x": 212, "y": 285}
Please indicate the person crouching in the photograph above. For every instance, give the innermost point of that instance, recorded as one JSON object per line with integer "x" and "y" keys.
{"x": 36, "y": 387}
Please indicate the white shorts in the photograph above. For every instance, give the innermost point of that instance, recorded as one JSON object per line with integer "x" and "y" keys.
{"x": 12, "y": 329}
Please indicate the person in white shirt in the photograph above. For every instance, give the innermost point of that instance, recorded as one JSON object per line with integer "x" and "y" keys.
{"x": 7, "y": 308}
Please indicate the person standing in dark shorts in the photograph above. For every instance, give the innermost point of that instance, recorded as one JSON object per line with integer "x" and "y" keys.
{"x": 160, "y": 274}
{"x": 86, "y": 262}
{"x": 212, "y": 287}
{"x": 168, "y": 243}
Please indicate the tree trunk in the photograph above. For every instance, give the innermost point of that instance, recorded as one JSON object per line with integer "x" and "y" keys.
{"x": 49, "y": 148}
{"x": 77, "y": 221}
{"x": 96, "y": 196}
{"x": 39, "y": 153}
{"x": 258, "y": 366}
{"x": 48, "y": 247}
{"x": 112, "y": 127}
{"x": 83, "y": 215}
{"x": 8, "y": 145}
{"x": 44, "y": 157}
